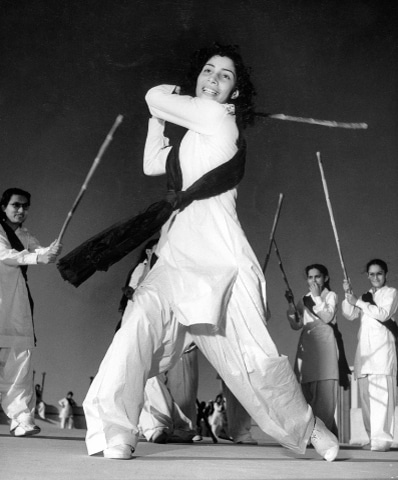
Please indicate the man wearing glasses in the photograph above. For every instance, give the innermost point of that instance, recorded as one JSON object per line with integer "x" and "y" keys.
{"x": 18, "y": 249}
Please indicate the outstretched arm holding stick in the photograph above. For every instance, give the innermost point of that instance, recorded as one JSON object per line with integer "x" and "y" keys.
{"x": 95, "y": 164}
{"x": 325, "y": 188}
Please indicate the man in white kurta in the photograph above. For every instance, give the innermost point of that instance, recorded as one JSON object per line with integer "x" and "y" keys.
{"x": 16, "y": 323}
{"x": 207, "y": 286}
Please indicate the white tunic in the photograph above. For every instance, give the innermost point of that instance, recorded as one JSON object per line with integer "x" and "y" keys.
{"x": 16, "y": 327}
{"x": 203, "y": 247}
{"x": 376, "y": 345}
{"x": 317, "y": 354}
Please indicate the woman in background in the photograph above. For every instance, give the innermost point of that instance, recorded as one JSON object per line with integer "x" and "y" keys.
{"x": 375, "y": 364}
{"x": 316, "y": 364}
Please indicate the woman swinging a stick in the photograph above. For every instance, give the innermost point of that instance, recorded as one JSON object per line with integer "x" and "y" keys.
{"x": 207, "y": 285}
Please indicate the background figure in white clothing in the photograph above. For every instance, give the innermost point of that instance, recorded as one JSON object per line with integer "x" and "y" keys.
{"x": 376, "y": 359}
{"x": 169, "y": 410}
{"x": 168, "y": 398}
{"x": 66, "y": 412}
{"x": 18, "y": 249}
{"x": 137, "y": 274}
{"x": 207, "y": 286}
{"x": 316, "y": 364}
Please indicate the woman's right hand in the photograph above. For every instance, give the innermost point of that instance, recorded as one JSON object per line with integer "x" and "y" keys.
{"x": 289, "y": 296}
{"x": 347, "y": 286}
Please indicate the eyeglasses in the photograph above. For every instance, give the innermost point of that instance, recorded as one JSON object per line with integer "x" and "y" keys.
{"x": 18, "y": 205}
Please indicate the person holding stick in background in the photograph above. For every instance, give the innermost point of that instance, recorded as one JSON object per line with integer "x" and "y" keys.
{"x": 316, "y": 364}
{"x": 18, "y": 249}
{"x": 375, "y": 364}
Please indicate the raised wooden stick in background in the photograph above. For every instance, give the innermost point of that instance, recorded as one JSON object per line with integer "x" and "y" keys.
{"x": 271, "y": 237}
{"x": 325, "y": 188}
{"x": 313, "y": 121}
{"x": 95, "y": 164}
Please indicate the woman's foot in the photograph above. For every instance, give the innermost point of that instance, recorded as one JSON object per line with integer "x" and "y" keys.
{"x": 24, "y": 428}
{"x": 324, "y": 442}
{"x": 119, "y": 452}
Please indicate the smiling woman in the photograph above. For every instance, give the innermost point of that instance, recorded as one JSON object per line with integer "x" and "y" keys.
{"x": 207, "y": 286}
{"x": 375, "y": 364}
{"x": 217, "y": 80}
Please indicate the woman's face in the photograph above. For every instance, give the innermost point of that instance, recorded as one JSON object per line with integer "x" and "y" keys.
{"x": 315, "y": 276}
{"x": 17, "y": 209}
{"x": 377, "y": 276}
{"x": 217, "y": 80}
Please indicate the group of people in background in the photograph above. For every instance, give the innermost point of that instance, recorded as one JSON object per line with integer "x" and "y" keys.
{"x": 320, "y": 363}
{"x": 201, "y": 286}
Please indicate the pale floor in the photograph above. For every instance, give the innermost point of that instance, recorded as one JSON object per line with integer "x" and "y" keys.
{"x": 58, "y": 454}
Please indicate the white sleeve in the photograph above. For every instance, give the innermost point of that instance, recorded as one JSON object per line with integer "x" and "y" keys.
{"x": 349, "y": 311}
{"x": 12, "y": 257}
{"x": 156, "y": 148}
{"x": 385, "y": 308}
{"x": 197, "y": 114}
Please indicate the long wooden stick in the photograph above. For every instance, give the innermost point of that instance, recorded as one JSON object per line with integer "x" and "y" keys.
{"x": 325, "y": 188}
{"x": 285, "y": 277}
{"x": 95, "y": 164}
{"x": 272, "y": 234}
{"x": 313, "y": 121}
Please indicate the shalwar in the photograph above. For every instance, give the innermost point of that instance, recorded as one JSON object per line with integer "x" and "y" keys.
{"x": 207, "y": 287}
{"x": 375, "y": 364}
{"x": 161, "y": 414}
{"x": 170, "y": 400}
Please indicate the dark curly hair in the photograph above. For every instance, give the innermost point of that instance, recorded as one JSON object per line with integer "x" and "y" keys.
{"x": 244, "y": 105}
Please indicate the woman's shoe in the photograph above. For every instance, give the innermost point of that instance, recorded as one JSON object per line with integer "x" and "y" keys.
{"x": 119, "y": 452}
{"x": 324, "y": 442}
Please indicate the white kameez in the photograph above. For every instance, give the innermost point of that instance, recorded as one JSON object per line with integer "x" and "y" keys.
{"x": 16, "y": 326}
{"x": 375, "y": 364}
{"x": 207, "y": 286}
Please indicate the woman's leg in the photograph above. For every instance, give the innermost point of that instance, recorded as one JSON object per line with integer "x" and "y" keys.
{"x": 18, "y": 397}
{"x": 245, "y": 356}
{"x": 381, "y": 396}
{"x": 148, "y": 342}
{"x": 182, "y": 382}
{"x": 322, "y": 396}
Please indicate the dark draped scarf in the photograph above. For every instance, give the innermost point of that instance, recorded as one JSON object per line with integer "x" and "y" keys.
{"x": 112, "y": 244}
{"x": 389, "y": 324}
{"x": 344, "y": 369}
{"x": 16, "y": 244}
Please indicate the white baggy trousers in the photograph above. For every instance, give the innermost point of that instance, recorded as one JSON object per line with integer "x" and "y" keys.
{"x": 151, "y": 340}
